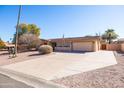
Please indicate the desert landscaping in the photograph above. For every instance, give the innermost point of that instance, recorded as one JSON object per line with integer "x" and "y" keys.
{"x": 61, "y": 49}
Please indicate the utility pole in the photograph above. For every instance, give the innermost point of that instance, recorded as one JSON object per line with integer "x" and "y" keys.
{"x": 63, "y": 37}
{"x": 109, "y": 38}
{"x": 16, "y": 41}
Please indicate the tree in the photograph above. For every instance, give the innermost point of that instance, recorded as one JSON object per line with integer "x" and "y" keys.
{"x": 22, "y": 29}
{"x": 109, "y": 35}
{"x": 27, "y": 28}
{"x": 29, "y": 39}
{"x": 32, "y": 28}
{"x": 2, "y": 45}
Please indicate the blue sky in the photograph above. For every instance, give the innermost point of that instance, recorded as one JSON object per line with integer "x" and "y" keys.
{"x": 72, "y": 21}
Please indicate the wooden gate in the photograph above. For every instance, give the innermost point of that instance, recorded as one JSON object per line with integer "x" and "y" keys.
{"x": 103, "y": 47}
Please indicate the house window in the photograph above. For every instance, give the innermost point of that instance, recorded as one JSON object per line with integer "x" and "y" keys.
{"x": 59, "y": 44}
{"x": 65, "y": 44}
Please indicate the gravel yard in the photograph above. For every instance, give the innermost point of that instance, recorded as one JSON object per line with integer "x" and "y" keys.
{"x": 5, "y": 60}
{"x": 108, "y": 77}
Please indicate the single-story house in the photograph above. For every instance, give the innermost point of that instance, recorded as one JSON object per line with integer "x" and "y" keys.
{"x": 9, "y": 45}
{"x": 121, "y": 40}
{"x": 44, "y": 41}
{"x": 88, "y": 43}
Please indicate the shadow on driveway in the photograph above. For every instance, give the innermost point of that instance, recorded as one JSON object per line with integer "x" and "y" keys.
{"x": 78, "y": 52}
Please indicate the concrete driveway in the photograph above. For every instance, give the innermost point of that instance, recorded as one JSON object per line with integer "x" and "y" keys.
{"x": 58, "y": 65}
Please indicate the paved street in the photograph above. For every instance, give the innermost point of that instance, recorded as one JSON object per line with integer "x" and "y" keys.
{"x": 6, "y": 82}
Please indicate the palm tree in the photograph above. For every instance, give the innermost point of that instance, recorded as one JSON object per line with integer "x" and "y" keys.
{"x": 109, "y": 35}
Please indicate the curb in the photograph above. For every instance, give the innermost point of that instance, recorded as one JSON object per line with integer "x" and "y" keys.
{"x": 29, "y": 79}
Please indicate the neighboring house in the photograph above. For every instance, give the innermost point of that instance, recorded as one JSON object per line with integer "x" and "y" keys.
{"x": 44, "y": 41}
{"x": 121, "y": 40}
{"x": 9, "y": 45}
{"x": 88, "y": 43}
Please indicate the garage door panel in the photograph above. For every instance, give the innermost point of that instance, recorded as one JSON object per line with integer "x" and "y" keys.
{"x": 83, "y": 46}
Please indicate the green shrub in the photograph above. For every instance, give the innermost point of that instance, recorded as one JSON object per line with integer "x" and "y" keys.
{"x": 45, "y": 49}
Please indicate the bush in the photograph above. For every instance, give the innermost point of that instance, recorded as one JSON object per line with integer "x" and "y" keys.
{"x": 2, "y": 45}
{"x": 30, "y": 40}
{"x": 45, "y": 49}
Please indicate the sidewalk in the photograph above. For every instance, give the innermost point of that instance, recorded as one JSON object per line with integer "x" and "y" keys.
{"x": 7, "y": 82}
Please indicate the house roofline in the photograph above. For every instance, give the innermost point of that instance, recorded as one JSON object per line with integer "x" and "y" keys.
{"x": 78, "y": 38}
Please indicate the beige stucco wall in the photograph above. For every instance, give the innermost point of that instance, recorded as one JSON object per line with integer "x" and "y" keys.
{"x": 98, "y": 45}
{"x": 122, "y": 47}
{"x": 113, "y": 47}
{"x": 95, "y": 46}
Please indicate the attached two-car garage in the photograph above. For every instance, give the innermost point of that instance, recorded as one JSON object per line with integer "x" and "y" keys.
{"x": 82, "y": 46}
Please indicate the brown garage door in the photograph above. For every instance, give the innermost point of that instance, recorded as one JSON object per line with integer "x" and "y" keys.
{"x": 83, "y": 46}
